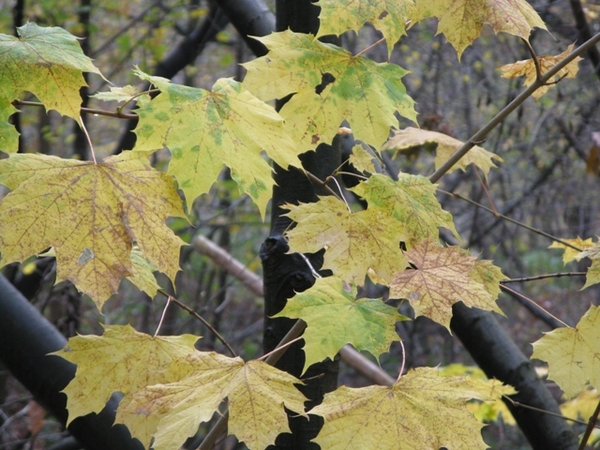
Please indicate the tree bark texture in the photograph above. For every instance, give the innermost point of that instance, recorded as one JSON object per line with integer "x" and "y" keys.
{"x": 26, "y": 338}
{"x": 286, "y": 274}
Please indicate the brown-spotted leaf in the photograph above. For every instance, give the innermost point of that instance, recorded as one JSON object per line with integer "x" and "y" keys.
{"x": 353, "y": 242}
{"x": 256, "y": 392}
{"x": 442, "y": 276}
{"x": 121, "y": 360}
{"x": 422, "y": 410}
{"x": 91, "y": 214}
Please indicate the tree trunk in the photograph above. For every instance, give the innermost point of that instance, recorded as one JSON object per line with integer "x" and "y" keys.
{"x": 26, "y": 338}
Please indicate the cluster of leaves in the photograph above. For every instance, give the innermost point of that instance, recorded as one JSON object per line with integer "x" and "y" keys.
{"x": 105, "y": 221}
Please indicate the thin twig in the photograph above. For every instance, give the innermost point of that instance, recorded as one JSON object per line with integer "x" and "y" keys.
{"x": 536, "y": 61}
{"x": 516, "y": 222}
{"x": 590, "y": 427}
{"x": 201, "y": 319}
{"x": 316, "y": 180}
{"x": 499, "y": 118}
{"x": 541, "y": 277}
{"x": 543, "y": 411}
{"x": 524, "y": 297}
{"x": 100, "y": 112}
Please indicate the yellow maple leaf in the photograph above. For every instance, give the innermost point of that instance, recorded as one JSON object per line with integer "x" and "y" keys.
{"x": 411, "y": 201}
{"x": 461, "y": 20}
{"x": 571, "y": 254}
{"x": 573, "y": 354}
{"x": 422, "y": 410}
{"x": 408, "y": 138}
{"x": 366, "y": 323}
{"x": 354, "y": 242}
{"x": 362, "y": 159}
{"x": 527, "y": 69}
{"x": 443, "y": 276}
{"x": 329, "y": 85}
{"x": 388, "y": 16}
{"x": 121, "y": 360}
{"x": 91, "y": 214}
{"x": 208, "y": 130}
{"x": 53, "y": 63}
{"x": 256, "y": 392}
{"x": 582, "y": 406}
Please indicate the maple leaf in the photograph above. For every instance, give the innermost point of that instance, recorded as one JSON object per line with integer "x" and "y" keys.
{"x": 9, "y": 136}
{"x": 207, "y": 130}
{"x": 527, "y": 69}
{"x": 408, "y": 138}
{"x": 411, "y": 201}
{"x": 488, "y": 410}
{"x": 443, "y": 276}
{"x": 461, "y": 21}
{"x": 256, "y": 392}
{"x": 142, "y": 273}
{"x": 121, "y": 360}
{"x": 422, "y": 410}
{"x": 368, "y": 324}
{"x": 54, "y": 63}
{"x": 571, "y": 254}
{"x": 91, "y": 214}
{"x": 362, "y": 159}
{"x": 329, "y": 85}
{"x": 573, "y": 354}
{"x": 387, "y": 16}
{"x": 354, "y": 242}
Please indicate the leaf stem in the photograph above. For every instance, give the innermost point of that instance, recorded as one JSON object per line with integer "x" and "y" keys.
{"x": 162, "y": 316}
{"x": 483, "y": 132}
{"x": 375, "y": 44}
{"x": 87, "y": 136}
{"x": 200, "y": 318}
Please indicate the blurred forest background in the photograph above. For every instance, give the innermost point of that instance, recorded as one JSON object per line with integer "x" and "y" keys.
{"x": 549, "y": 179}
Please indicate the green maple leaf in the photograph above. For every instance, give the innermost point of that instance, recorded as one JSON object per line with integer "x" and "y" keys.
{"x": 421, "y": 410}
{"x": 121, "y": 360}
{"x": 387, "y": 16}
{"x": 461, "y": 20}
{"x": 49, "y": 63}
{"x": 411, "y": 201}
{"x": 368, "y": 324}
{"x": 329, "y": 85}
{"x": 407, "y": 139}
{"x": 91, "y": 214}
{"x": 256, "y": 392}
{"x": 355, "y": 243}
{"x": 9, "y": 136}
{"x": 443, "y": 276}
{"x": 573, "y": 354}
{"x": 208, "y": 130}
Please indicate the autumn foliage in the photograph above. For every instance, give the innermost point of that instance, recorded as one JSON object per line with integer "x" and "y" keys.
{"x": 106, "y": 220}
